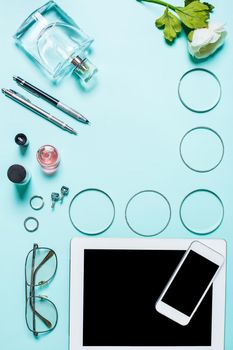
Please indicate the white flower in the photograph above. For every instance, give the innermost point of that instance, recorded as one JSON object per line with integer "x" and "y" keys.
{"x": 206, "y": 41}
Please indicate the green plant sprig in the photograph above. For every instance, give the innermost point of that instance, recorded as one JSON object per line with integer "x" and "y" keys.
{"x": 193, "y": 15}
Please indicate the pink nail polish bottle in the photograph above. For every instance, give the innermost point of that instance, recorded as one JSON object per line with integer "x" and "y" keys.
{"x": 48, "y": 158}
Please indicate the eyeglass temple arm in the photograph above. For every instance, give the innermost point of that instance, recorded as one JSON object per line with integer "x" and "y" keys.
{"x": 43, "y": 319}
{"x": 32, "y": 289}
{"x": 48, "y": 256}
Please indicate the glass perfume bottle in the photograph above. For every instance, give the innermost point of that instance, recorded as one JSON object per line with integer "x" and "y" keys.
{"x": 56, "y": 42}
{"x": 48, "y": 158}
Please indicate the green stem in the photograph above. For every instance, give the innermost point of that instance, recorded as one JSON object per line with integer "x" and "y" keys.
{"x": 163, "y": 3}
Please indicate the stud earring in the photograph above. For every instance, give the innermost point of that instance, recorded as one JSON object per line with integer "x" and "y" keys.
{"x": 55, "y": 198}
{"x": 64, "y": 192}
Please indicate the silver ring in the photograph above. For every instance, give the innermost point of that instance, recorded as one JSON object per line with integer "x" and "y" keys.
{"x": 27, "y": 220}
{"x": 168, "y": 219}
{"x": 214, "y": 228}
{"x": 37, "y": 207}
{"x": 214, "y": 133}
{"x": 207, "y": 109}
{"x": 95, "y": 232}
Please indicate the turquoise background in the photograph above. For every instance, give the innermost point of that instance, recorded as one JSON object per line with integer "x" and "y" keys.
{"x": 131, "y": 145}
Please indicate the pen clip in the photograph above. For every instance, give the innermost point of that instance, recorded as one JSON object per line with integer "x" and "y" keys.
{"x": 18, "y": 94}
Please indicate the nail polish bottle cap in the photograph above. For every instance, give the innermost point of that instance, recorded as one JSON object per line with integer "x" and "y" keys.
{"x": 16, "y": 173}
{"x": 21, "y": 140}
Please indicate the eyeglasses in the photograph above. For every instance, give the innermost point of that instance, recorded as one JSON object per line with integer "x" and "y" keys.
{"x": 40, "y": 268}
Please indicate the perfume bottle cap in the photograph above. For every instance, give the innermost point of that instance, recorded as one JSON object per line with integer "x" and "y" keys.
{"x": 17, "y": 173}
{"x": 85, "y": 69}
{"x": 21, "y": 140}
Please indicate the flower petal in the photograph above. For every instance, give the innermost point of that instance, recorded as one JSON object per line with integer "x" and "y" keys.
{"x": 206, "y": 50}
{"x": 217, "y": 27}
{"x": 206, "y": 41}
{"x": 215, "y": 37}
{"x": 201, "y": 36}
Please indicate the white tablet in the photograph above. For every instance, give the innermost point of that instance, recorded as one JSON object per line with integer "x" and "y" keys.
{"x": 114, "y": 284}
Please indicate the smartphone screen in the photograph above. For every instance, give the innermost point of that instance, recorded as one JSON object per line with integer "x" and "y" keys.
{"x": 190, "y": 283}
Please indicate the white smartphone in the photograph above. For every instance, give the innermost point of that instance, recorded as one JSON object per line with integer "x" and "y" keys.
{"x": 189, "y": 283}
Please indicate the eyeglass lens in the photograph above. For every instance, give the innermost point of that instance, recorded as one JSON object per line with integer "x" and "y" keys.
{"x": 46, "y": 271}
{"x": 45, "y": 317}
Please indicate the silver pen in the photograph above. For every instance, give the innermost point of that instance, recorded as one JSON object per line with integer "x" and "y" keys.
{"x": 50, "y": 99}
{"x": 27, "y": 103}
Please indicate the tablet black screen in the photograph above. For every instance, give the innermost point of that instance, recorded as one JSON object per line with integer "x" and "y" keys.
{"x": 120, "y": 291}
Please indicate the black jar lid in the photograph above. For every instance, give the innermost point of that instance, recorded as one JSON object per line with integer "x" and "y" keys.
{"x": 16, "y": 173}
{"x": 21, "y": 139}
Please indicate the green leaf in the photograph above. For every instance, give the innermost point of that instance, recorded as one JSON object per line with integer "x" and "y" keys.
{"x": 190, "y": 35}
{"x": 187, "y": 2}
{"x": 171, "y": 25}
{"x": 195, "y": 15}
{"x": 211, "y": 7}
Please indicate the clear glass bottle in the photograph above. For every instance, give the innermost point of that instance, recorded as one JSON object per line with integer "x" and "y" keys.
{"x": 48, "y": 158}
{"x": 56, "y": 42}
